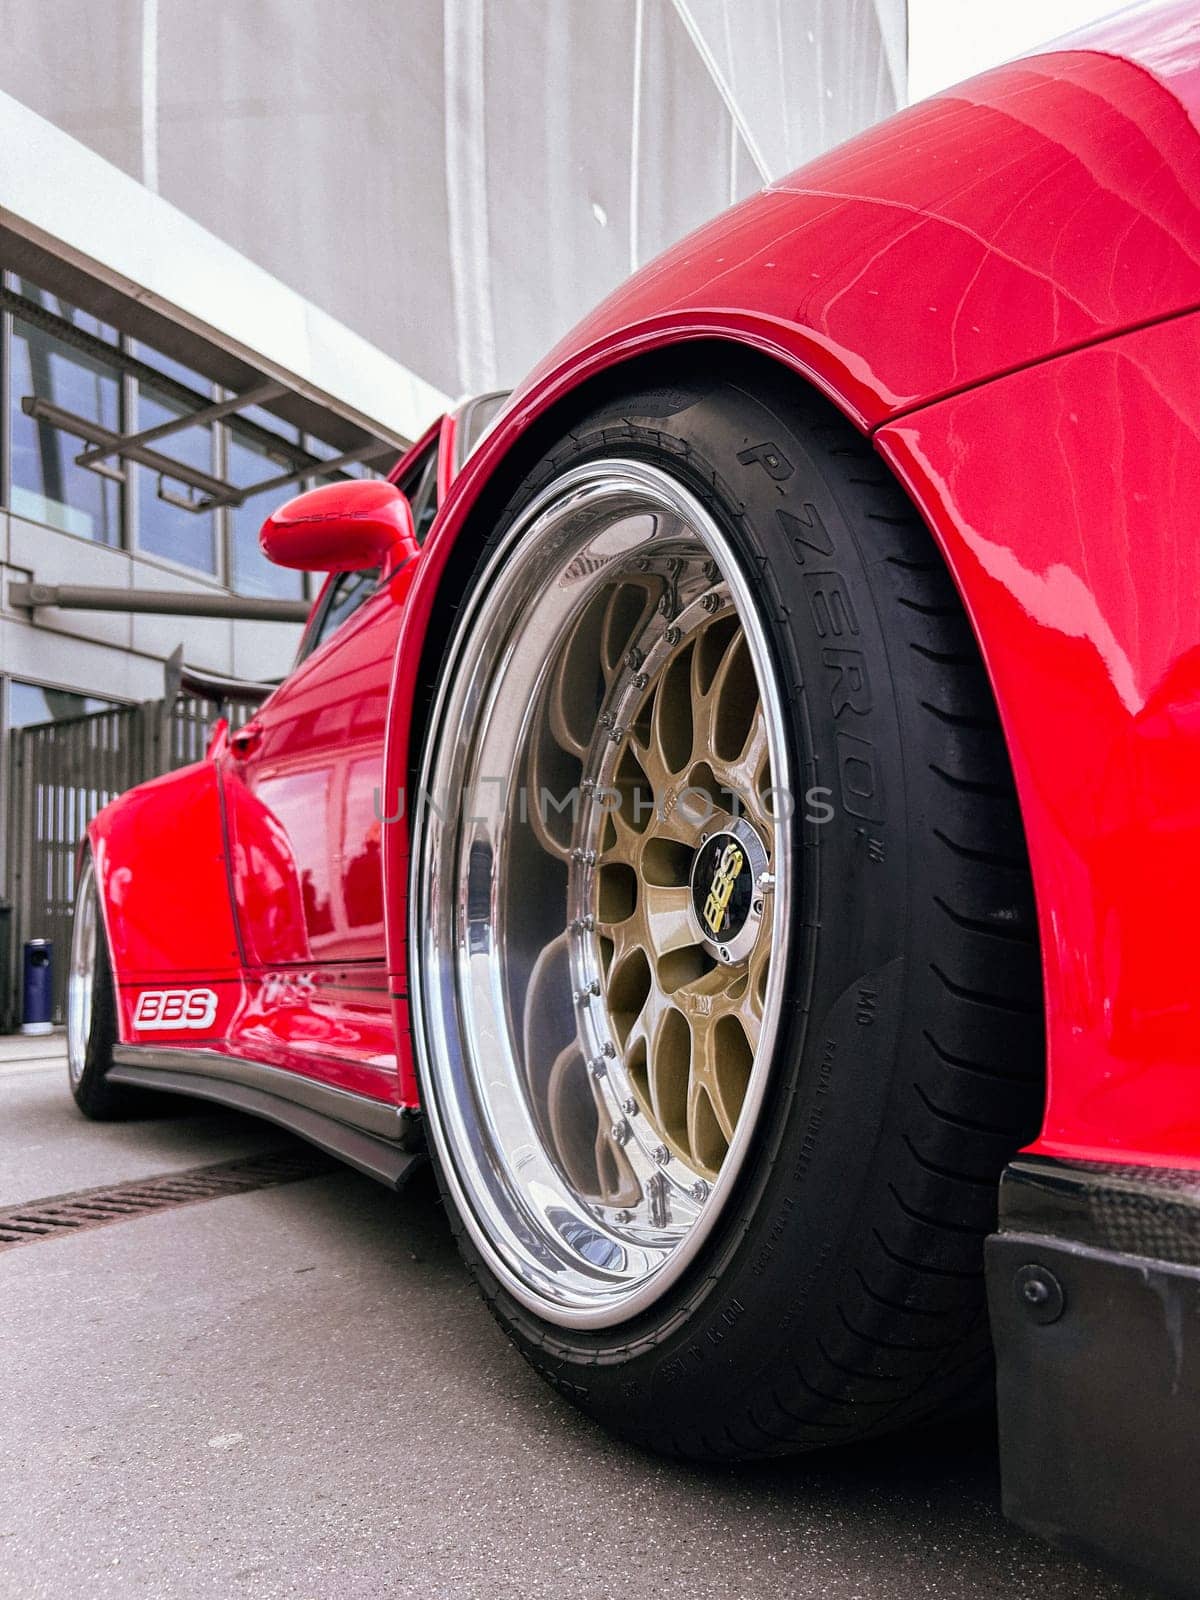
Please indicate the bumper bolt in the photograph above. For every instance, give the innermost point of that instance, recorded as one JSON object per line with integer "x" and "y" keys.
{"x": 1040, "y": 1293}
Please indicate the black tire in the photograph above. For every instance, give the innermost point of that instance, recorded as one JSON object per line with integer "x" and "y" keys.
{"x": 842, "y": 1294}
{"x": 96, "y": 1097}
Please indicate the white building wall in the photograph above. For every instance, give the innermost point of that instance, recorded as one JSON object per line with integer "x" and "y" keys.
{"x": 390, "y": 201}
{"x": 455, "y": 180}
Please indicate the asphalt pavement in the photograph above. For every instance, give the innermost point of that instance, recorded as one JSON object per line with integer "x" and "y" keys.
{"x": 296, "y": 1392}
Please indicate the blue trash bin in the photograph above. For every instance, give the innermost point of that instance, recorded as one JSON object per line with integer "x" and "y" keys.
{"x": 37, "y": 987}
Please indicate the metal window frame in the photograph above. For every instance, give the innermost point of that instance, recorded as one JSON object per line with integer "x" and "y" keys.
{"x": 103, "y": 445}
{"x": 5, "y": 414}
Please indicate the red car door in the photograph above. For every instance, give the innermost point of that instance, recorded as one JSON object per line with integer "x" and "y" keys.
{"x": 302, "y": 785}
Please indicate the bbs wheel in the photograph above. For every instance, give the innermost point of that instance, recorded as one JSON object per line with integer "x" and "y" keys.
{"x": 725, "y": 984}
{"x": 91, "y": 1010}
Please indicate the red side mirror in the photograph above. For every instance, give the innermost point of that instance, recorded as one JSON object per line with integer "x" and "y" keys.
{"x": 341, "y": 527}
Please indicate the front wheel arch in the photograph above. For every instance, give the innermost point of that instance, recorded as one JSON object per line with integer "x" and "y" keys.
{"x": 605, "y": 1374}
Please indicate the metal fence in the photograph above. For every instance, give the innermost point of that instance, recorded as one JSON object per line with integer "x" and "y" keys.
{"x": 62, "y": 773}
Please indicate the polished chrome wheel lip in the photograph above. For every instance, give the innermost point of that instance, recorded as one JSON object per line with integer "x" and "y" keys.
{"x": 81, "y": 972}
{"x": 551, "y": 1253}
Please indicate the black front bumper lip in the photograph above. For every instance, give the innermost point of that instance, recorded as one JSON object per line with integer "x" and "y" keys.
{"x": 1094, "y": 1298}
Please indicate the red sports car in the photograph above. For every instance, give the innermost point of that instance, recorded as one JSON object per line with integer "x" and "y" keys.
{"x": 742, "y": 817}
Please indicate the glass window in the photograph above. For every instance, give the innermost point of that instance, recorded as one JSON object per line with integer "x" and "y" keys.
{"x": 47, "y": 486}
{"x": 60, "y": 308}
{"x": 477, "y": 417}
{"x": 252, "y": 462}
{"x": 164, "y": 528}
{"x": 420, "y": 485}
{"x": 326, "y": 452}
{"x": 348, "y": 591}
{"x": 30, "y": 703}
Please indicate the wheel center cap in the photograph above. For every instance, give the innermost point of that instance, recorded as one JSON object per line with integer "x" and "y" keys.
{"x": 727, "y": 902}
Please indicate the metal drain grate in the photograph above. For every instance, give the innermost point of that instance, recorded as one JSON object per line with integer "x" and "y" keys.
{"x": 96, "y": 1208}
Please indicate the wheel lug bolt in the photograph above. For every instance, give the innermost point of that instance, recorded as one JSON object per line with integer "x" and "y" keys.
{"x": 673, "y": 636}
{"x": 661, "y": 1154}
{"x": 629, "y": 1107}
{"x": 634, "y": 659}
{"x": 598, "y": 1066}
{"x": 699, "y": 1190}
{"x": 620, "y": 1132}
{"x": 711, "y": 602}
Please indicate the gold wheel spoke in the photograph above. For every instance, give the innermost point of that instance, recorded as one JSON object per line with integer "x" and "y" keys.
{"x": 625, "y": 619}
{"x": 689, "y": 1027}
{"x": 626, "y": 843}
{"x": 750, "y": 767}
{"x": 756, "y": 984}
{"x": 705, "y": 1083}
{"x": 682, "y": 821}
{"x": 645, "y": 1038}
{"x": 666, "y": 715}
{"x": 667, "y": 918}
{"x": 722, "y": 1048}
{"x": 706, "y": 699}
{"x": 564, "y": 737}
{"x": 627, "y": 935}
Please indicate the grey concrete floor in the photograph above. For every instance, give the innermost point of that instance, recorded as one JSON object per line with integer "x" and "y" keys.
{"x": 296, "y": 1392}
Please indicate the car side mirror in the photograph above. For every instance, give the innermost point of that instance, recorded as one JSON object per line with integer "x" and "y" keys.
{"x": 350, "y": 526}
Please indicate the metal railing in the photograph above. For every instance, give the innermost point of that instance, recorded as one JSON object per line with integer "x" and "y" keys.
{"x": 62, "y": 773}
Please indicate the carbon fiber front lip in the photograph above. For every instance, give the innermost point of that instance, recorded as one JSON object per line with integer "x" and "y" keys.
{"x": 1094, "y": 1301}
{"x": 1132, "y": 1210}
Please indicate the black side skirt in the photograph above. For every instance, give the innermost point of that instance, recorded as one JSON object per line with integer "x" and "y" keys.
{"x": 385, "y": 1142}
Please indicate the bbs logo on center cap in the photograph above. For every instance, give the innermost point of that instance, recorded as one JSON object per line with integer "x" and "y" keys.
{"x": 723, "y": 866}
{"x": 727, "y": 901}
